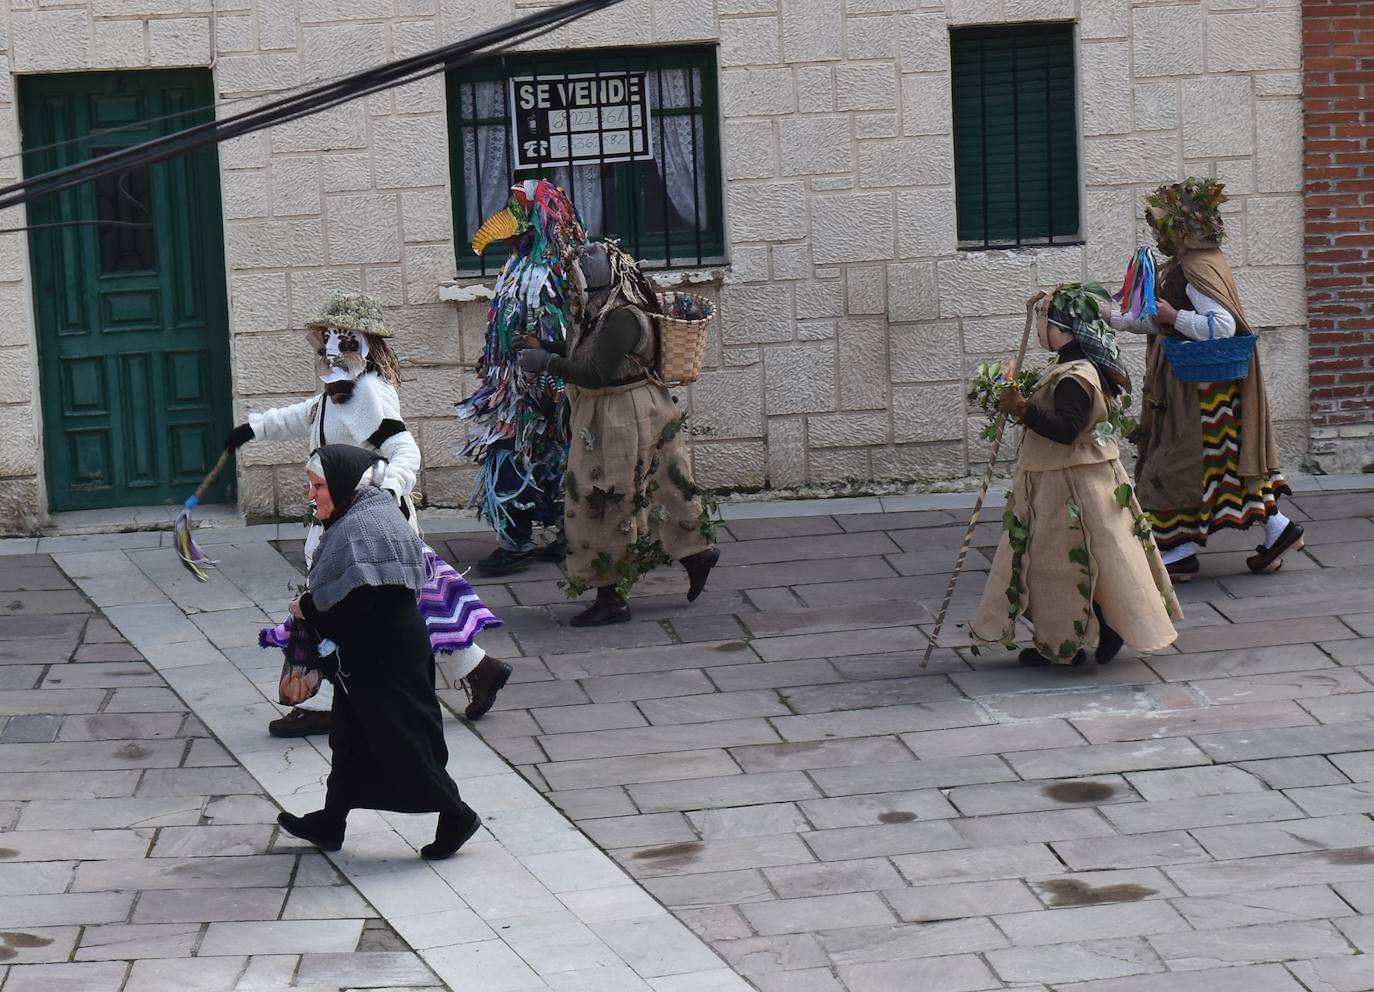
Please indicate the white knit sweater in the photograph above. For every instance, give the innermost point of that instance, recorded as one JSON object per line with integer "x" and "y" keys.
{"x": 353, "y": 422}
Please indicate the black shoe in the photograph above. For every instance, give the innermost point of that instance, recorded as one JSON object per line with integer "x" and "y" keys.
{"x": 483, "y": 683}
{"x": 1109, "y": 645}
{"x": 300, "y": 723}
{"x": 699, "y": 568}
{"x": 1271, "y": 559}
{"x": 603, "y": 613}
{"x": 452, "y": 833}
{"x": 551, "y": 552}
{"x": 503, "y": 562}
{"x": 1184, "y": 569}
{"x": 1032, "y": 658}
{"x": 322, "y": 828}
{"x": 1109, "y": 642}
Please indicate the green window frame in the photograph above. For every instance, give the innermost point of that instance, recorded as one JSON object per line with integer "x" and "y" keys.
{"x": 670, "y": 217}
{"x": 1016, "y": 170}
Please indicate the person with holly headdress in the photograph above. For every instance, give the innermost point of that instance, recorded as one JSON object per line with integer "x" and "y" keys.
{"x": 516, "y": 438}
{"x": 1076, "y": 556}
{"x": 1207, "y": 458}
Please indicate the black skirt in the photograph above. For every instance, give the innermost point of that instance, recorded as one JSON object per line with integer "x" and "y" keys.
{"x": 386, "y": 728}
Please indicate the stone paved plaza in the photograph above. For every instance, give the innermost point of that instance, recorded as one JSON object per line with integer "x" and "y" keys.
{"x": 771, "y": 766}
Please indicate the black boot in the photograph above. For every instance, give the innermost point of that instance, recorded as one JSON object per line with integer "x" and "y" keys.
{"x": 553, "y": 551}
{"x": 610, "y": 607}
{"x": 454, "y": 830}
{"x": 1109, "y": 642}
{"x": 483, "y": 683}
{"x": 698, "y": 568}
{"x": 505, "y": 562}
{"x": 300, "y": 723}
{"x": 324, "y": 828}
{"x": 1032, "y": 658}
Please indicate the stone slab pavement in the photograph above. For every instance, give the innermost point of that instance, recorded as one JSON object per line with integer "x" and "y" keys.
{"x": 771, "y": 766}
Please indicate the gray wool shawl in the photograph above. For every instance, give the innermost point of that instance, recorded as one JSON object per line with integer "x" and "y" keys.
{"x": 370, "y": 545}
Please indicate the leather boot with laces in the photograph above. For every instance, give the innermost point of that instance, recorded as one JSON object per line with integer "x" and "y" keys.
{"x": 482, "y": 684}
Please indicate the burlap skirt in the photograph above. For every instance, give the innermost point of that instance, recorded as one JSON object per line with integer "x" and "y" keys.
{"x": 1069, "y": 542}
{"x": 630, "y": 499}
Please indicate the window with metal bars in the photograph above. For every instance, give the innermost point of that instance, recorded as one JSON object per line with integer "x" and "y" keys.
{"x": 666, "y": 211}
{"x": 1015, "y": 135}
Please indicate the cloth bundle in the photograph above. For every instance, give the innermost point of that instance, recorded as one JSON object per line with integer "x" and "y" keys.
{"x": 1137, "y": 293}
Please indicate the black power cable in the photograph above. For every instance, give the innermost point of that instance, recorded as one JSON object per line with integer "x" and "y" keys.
{"x": 303, "y": 104}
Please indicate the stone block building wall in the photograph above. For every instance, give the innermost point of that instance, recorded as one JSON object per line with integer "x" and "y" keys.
{"x": 850, "y": 319}
{"x": 1338, "y": 57}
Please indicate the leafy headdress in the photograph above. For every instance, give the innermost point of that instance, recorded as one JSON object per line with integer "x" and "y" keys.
{"x": 1187, "y": 215}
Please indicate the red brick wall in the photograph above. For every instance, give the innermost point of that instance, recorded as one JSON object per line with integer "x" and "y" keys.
{"x": 1338, "y": 101}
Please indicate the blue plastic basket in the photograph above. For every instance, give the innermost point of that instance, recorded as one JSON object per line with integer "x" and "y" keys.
{"x": 1213, "y": 360}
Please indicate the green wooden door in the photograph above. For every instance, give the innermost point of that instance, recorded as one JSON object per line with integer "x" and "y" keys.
{"x": 129, "y": 300}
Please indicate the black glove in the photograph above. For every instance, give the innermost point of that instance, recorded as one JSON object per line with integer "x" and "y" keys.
{"x": 238, "y": 437}
{"x": 534, "y": 359}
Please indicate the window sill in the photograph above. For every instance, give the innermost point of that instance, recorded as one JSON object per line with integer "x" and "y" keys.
{"x": 474, "y": 288}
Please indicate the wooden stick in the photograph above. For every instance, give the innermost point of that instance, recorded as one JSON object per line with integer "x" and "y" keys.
{"x": 209, "y": 480}
{"x": 982, "y": 495}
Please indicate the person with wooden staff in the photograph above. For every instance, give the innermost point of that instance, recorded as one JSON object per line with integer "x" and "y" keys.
{"x": 1077, "y": 557}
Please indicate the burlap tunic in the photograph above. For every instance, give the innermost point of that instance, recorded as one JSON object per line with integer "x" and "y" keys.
{"x": 1080, "y": 545}
{"x": 630, "y": 499}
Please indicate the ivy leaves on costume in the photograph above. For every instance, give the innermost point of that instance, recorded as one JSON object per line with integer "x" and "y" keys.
{"x": 601, "y": 501}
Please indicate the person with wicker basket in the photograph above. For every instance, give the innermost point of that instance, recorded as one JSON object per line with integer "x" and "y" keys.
{"x": 630, "y": 502}
{"x": 1207, "y": 458}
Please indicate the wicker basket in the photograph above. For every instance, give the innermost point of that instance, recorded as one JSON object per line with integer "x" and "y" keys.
{"x": 683, "y": 327}
{"x": 1213, "y": 360}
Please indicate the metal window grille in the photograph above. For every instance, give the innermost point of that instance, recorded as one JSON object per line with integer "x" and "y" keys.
{"x": 1015, "y": 136}
{"x": 667, "y": 212}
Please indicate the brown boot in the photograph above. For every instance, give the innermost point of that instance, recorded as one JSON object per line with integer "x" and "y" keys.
{"x": 483, "y": 683}
{"x": 610, "y": 607}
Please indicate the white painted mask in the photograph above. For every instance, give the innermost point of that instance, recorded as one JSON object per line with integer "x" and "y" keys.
{"x": 340, "y": 356}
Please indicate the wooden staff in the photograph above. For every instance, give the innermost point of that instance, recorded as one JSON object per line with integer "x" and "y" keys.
{"x": 983, "y": 491}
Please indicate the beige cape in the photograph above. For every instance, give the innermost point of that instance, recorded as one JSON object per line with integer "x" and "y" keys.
{"x": 1168, "y": 466}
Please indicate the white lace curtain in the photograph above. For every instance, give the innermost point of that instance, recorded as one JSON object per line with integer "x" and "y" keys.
{"x": 674, "y": 140}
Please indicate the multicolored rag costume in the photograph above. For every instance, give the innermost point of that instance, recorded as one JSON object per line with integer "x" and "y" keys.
{"x": 516, "y": 437}
{"x": 1207, "y": 455}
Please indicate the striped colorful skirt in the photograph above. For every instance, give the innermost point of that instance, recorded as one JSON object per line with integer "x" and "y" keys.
{"x": 1226, "y": 502}
{"x": 452, "y": 611}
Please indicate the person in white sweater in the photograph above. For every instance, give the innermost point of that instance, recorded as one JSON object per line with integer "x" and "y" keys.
{"x": 359, "y": 405}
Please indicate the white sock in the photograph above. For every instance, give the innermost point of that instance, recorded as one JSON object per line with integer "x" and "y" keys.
{"x": 1274, "y": 527}
{"x": 1180, "y": 552}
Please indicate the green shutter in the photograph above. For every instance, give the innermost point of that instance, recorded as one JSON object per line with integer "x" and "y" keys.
{"x": 1015, "y": 134}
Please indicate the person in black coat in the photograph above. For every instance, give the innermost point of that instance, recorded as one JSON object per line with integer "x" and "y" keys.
{"x": 386, "y": 730}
